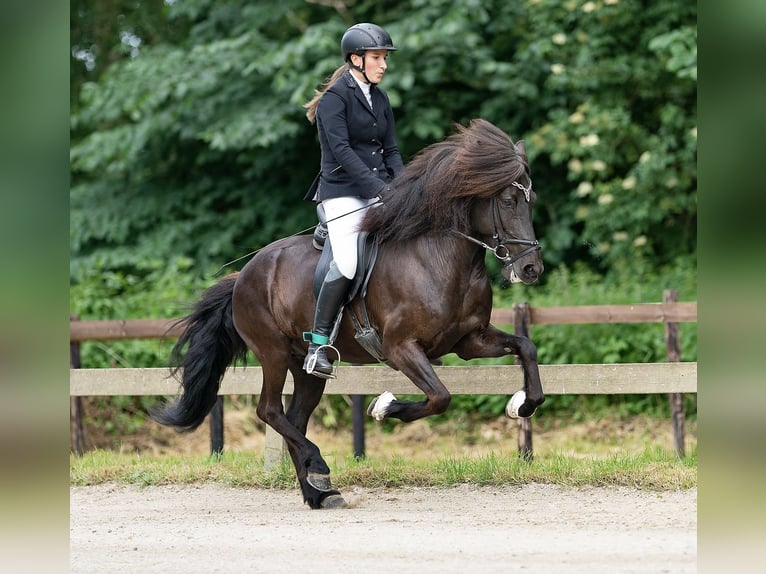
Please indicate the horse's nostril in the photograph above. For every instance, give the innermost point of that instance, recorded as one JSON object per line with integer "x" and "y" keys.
{"x": 529, "y": 271}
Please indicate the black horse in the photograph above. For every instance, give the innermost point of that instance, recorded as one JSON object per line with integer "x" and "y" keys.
{"x": 428, "y": 295}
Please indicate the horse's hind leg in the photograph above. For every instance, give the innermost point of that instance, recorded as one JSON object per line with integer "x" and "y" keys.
{"x": 413, "y": 363}
{"x": 305, "y": 455}
{"x": 313, "y": 474}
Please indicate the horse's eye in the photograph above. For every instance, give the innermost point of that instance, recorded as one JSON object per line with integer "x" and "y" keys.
{"x": 508, "y": 198}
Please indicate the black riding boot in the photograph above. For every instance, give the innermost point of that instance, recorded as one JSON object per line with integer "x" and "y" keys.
{"x": 331, "y": 296}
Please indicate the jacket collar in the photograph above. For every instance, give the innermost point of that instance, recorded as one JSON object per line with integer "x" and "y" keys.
{"x": 351, "y": 83}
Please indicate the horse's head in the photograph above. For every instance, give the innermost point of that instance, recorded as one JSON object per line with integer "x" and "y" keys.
{"x": 475, "y": 184}
{"x": 504, "y": 222}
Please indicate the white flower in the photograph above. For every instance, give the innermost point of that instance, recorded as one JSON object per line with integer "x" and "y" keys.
{"x": 557, "y": 68}
{"x": 577, "y": 117}
{"x": 645, "y": 157}
{"x": 559, "y": 38}
{"x": 584, "y": 189}
{"x": 589, "y": 140}
{"x": 693, "y": 132}
{"x": 611, "y": 2}
{"x": 575, "y": 165}
{"x": 589, "y": 7}
{"x": 629, "y": 182}
{"x": 672, "y": 181}
{"x": 605, "y": 199}
{"x": 598, "y": 165}
{"x": 639, "y": 241}
{"x": 620, "y": 236}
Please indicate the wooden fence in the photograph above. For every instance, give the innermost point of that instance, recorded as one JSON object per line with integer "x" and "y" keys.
{"x": 674, "y": 378}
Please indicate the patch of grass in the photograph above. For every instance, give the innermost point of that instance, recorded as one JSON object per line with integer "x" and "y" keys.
{"x": 651, "y": 469}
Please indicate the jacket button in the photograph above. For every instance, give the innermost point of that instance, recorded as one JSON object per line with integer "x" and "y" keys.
{"x": 374, "y": 169}
{"x": 373, "y": 153}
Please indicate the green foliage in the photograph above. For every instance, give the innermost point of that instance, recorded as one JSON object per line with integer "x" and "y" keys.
{"x": 195, "y": 143}
{"x": 617, "y": 127}
{"x": 106, "y": 293}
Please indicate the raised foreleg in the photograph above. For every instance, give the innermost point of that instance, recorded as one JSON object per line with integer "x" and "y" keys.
{"x": 492, "y": 342}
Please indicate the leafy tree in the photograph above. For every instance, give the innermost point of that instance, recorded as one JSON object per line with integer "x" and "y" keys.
{"x": 190, "y": 147}
{"x": 615, "y": 127}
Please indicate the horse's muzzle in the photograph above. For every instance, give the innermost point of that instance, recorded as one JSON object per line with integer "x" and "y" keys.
{"x": 526, "y": 274}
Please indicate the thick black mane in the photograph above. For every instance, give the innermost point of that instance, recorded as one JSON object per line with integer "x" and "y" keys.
{"x": 436, "y": 188}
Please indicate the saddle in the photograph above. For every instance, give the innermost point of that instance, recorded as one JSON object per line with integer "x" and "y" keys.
{"x": 367, "y": 255}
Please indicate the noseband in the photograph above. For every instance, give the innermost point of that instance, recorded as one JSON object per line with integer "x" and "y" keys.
{"x": 500, "y": 250}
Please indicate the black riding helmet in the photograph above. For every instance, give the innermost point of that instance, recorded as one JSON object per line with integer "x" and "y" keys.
{"x": 362, "y": 37}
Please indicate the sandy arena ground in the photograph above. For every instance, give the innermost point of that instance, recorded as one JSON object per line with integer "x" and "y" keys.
{"x": 464, "y": 529}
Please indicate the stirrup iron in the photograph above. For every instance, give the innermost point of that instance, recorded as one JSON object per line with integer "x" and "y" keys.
{"x": 311, "y": 361}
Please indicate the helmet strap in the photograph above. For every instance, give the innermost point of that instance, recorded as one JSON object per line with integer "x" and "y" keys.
{"x": 361, "y": 68}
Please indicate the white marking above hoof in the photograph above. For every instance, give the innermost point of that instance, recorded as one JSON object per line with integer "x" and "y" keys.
{"x": 379, "y": 406}
{"x": 514, "y": 404}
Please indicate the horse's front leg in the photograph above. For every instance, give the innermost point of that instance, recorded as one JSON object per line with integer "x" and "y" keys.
{"x": 492, "y": 342}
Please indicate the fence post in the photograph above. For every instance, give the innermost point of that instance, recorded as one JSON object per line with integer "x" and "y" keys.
{"x": 357, "y": 418}
{"x": 676, "y": 400}
{"x": 76, "y": 432}
{"x": 216, "y": 427}
{"x": 521, "y": 321}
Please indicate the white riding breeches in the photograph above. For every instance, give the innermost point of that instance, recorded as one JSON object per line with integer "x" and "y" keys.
{"x": 344, "y": 214}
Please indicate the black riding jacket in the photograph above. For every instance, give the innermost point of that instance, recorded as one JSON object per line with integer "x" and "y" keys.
{"x": 358, "y": 144}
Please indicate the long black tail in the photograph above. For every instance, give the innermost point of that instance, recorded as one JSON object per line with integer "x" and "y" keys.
{"x": 212, "y": 344}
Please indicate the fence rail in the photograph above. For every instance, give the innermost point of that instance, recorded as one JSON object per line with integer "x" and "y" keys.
{"x": 593, "y": 379}
{"x": 673, "y": 378}
{"x": 585, "y": 314}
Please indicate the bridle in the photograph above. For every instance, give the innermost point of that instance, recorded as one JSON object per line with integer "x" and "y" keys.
{"x": 500, "y": 250}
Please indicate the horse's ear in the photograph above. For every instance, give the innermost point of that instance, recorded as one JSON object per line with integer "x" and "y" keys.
{"x": 521, "y": 146}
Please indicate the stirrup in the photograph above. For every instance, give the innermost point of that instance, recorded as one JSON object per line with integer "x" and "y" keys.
{"x": 311, "y": 361}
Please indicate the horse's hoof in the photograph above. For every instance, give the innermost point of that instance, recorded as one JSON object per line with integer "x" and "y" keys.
{"x": 514, "y": 404}
{"x": 379, "y": 406}
{"x": 333, "y": 501}
{"x": 321, "y": 482}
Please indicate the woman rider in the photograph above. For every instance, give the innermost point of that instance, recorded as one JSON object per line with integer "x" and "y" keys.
{"x": 359, "y": 158}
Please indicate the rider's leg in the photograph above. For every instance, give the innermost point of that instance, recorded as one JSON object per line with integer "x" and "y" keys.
{"x": 343, "y": 216}
{"x": 331, "y": 297}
